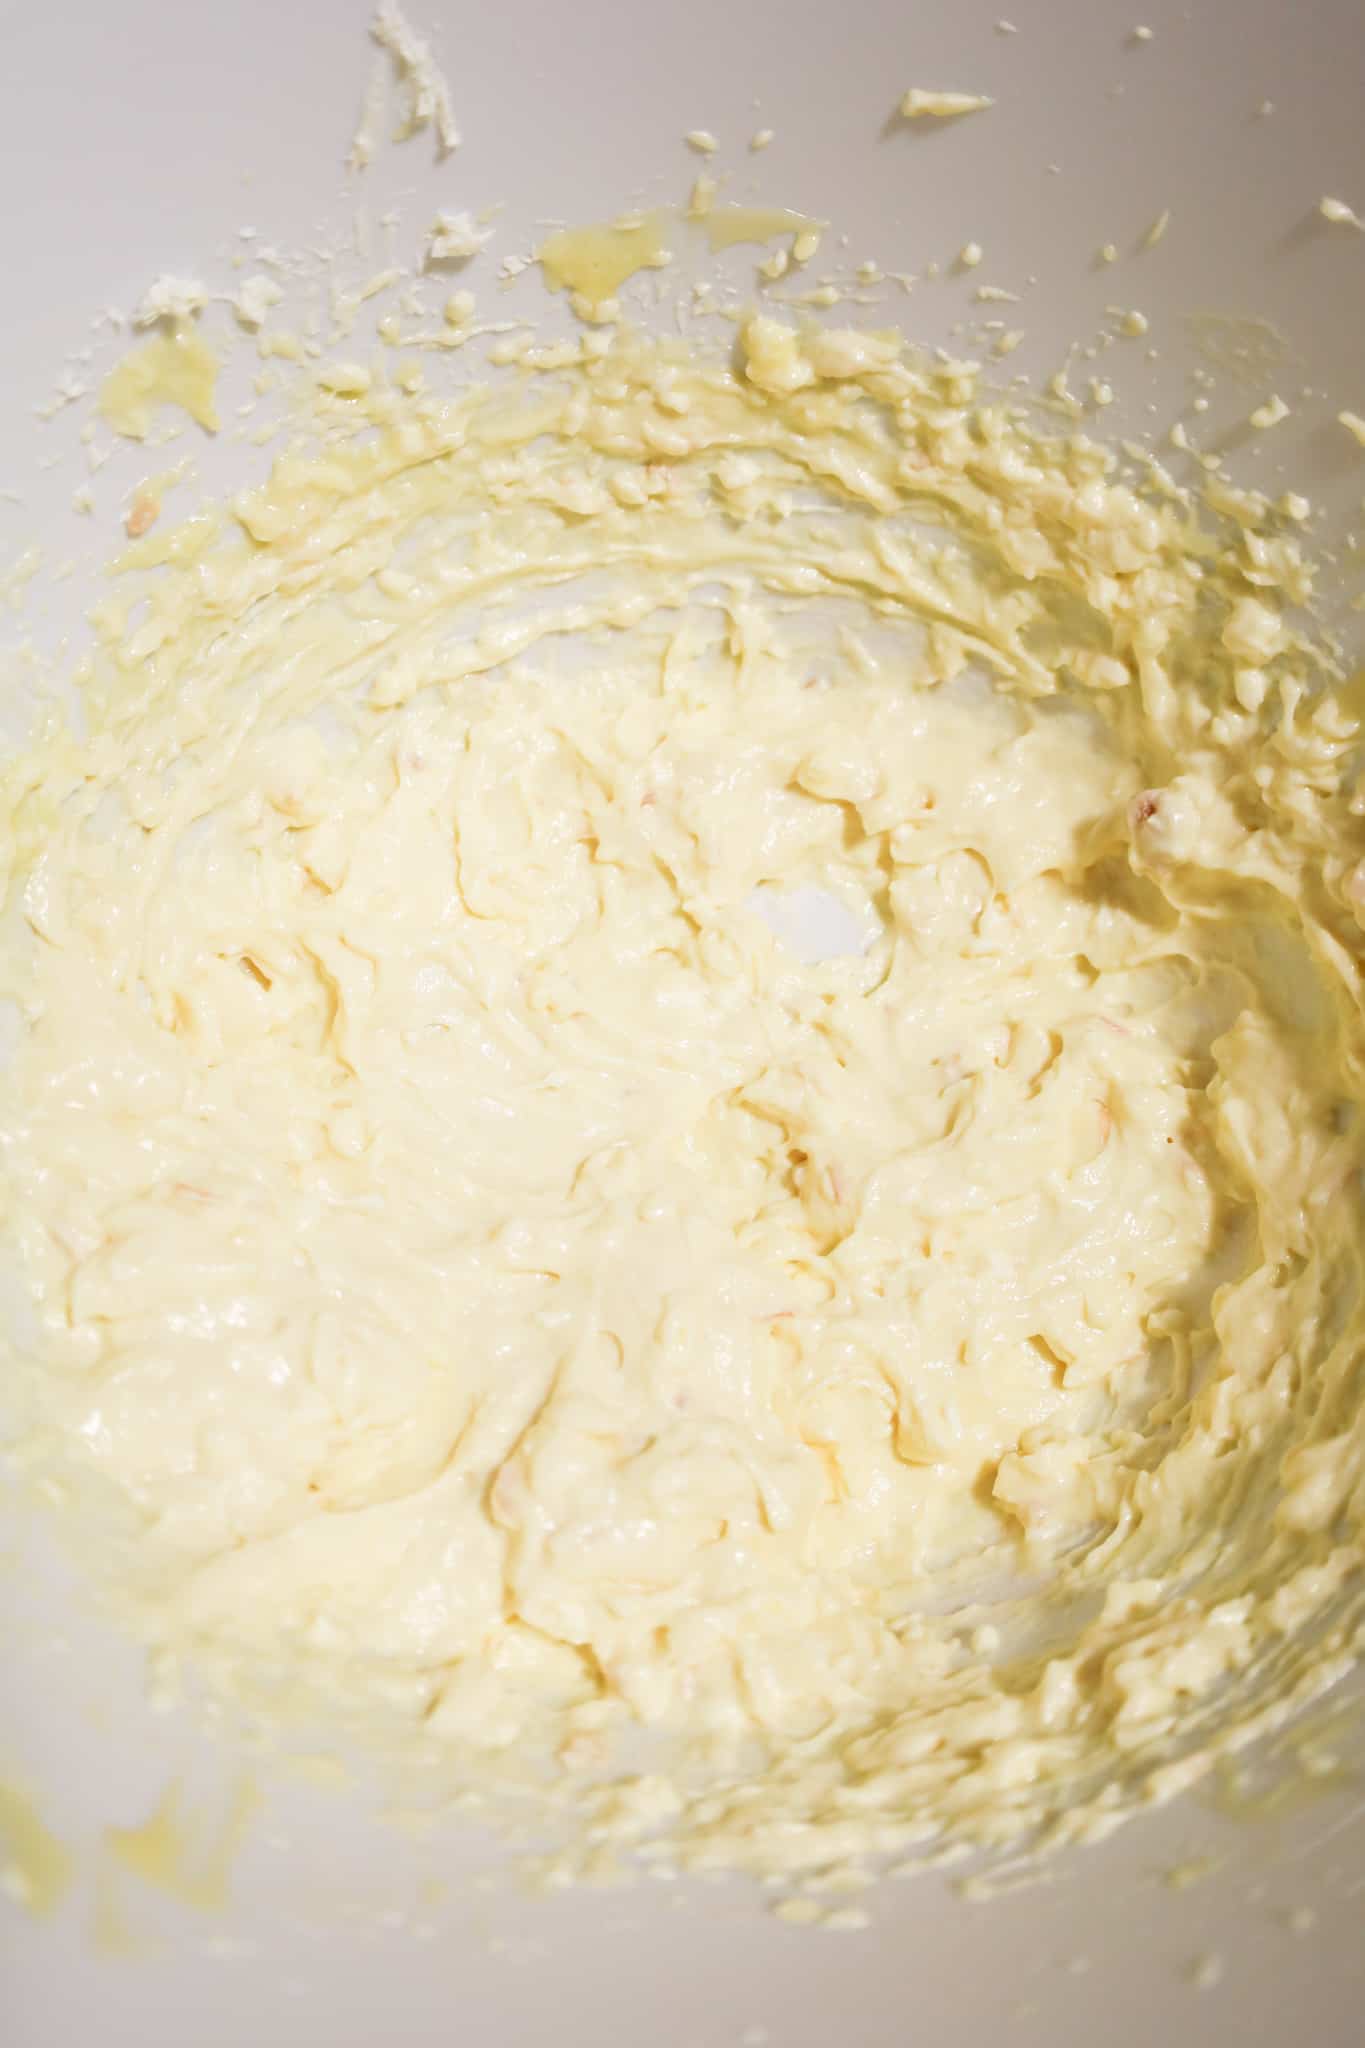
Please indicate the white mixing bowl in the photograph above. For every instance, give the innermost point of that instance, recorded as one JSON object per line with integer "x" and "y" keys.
{"x": 144, "y": 138}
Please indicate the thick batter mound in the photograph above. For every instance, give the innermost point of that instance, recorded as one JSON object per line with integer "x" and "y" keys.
{"x": 694, "y": 1059}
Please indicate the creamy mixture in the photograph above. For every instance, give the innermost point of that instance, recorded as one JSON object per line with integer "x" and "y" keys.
{"x": 501, "y": 1277}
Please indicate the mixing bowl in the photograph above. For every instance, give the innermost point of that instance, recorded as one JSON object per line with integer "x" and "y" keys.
{"x": 150, "y": 139}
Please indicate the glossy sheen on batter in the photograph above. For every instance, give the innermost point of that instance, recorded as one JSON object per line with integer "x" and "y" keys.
{"x": 493, "y": 1287}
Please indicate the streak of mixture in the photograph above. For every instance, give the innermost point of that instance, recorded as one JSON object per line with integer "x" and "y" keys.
{"x": 498, "y": 1283}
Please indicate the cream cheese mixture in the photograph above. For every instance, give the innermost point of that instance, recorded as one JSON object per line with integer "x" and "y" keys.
{"x": 497, "y": 1283}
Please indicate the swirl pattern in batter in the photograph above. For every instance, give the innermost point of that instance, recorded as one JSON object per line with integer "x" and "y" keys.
{"x": 496, "y": 1281}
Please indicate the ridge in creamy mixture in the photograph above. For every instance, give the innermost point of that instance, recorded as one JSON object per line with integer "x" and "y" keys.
{"x": 497, "y": 1283}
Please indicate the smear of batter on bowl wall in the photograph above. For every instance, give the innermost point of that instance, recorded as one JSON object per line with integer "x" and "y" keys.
{"x": 497, "y": 1290}
{"x": 35, "y": 1870}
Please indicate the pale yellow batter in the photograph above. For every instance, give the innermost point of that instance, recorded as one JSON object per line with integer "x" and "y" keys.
{"x": 493, "y": 1286}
